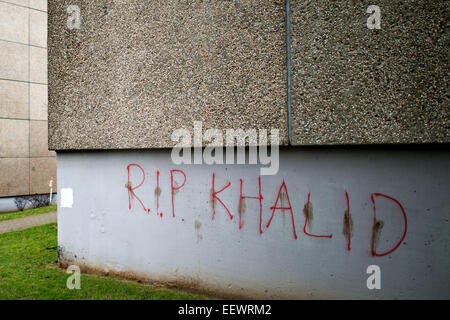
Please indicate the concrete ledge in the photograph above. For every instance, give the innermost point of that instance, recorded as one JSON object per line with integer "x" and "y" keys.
{"x": 188, "y": 236}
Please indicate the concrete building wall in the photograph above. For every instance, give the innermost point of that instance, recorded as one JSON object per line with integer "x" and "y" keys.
{"x": 128, "y": 80}
{"x": 26, "y": 164}
{"x": 100, "y": 227}
{"x": 137, "y": 70}
{"x": 355, "y": 85}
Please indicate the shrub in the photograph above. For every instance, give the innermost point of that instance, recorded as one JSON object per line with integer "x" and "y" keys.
{"x": 39, "y": 200}
{"x": 20, "y": 202}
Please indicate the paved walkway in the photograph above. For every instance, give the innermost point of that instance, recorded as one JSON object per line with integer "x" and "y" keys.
{"x": 27, "y": 222}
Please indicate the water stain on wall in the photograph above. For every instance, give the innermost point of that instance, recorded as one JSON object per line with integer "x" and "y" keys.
{"x": 283, "y": 202}
{"x": 212, "y": 199}
{"x": 377, "y": 232}
{"x": 347, "y": 227}
{"x": 241, "y": 207}
{"x": 157, "y": 194}
{"x": 130, "y": 190}
{"x": 175, "y": 188}
{"x": 197, "y": 226}
{"x": 308, "y": 213}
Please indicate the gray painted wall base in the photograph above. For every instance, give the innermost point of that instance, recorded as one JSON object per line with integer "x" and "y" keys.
{"x": 7, "y": 203}
{"x": 189, "y": 245}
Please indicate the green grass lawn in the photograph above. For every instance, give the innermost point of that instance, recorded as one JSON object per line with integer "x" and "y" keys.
{"x": 28, "y": 271}
{"x": 26, "y": 213}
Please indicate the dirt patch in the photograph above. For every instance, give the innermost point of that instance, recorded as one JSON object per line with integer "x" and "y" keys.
{"x": 191, "y": 286}
{"x": 197, "y": 226}
{"x": 376, "y": 232}
{"x": 157, "y": 192}
{"x": 283, "y": 202}
{"x": 241, "y": 207}
{"x": 347, "y": 228}
{"x": 130, "y": 190}
{"x": 212, "y": 199}
{"x": 175, "y": 188}
{"x": 308, "y": 213}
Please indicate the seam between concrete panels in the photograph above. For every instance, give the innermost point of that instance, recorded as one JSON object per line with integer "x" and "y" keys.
{"x": 25, "y": 44}
{"x": 23, "y": 81}
{"x": 19, "y": 5}
{"x": 7, "y": 118}
{"x": 288, "y": 69}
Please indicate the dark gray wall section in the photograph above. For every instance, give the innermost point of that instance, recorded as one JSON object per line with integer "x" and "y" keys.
{"x": 137, "y": 70}
{"x": 97, "y": 229}
{"x": 352, "y": 85}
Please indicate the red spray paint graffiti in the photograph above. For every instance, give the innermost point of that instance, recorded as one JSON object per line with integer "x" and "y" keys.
{"x": 175, "y": 188}
{"x": 259, "y": 197}
{"x": 158, "y": 192}
{"x": 131, "y": 189}
{"x": 274, "y": 207}
{"x": 282, "y": 191}
{"x": 349, "y": 222}
{"x": 308, "y": 204}
{"x": 372, "y": 198}
{"x": 214, "y": 197}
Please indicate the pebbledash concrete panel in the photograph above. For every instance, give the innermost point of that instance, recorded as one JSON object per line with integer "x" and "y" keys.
{"x": 355, "y": 85}
{"x": 137, "y": 70}
{"x": 118, "y": 215}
